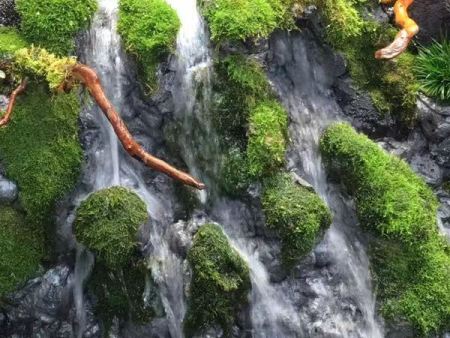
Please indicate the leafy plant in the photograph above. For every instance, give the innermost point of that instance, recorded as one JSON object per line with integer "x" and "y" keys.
{"x": 432, "y": 67}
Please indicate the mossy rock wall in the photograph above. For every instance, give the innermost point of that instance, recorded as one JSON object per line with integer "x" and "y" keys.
{"x": 410, "y": 259}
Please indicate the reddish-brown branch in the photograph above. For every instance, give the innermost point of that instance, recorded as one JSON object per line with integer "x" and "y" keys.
{"x": 11, "y": 103}
{"x": 88, "y": 77}
{"x": 408, "y": 31}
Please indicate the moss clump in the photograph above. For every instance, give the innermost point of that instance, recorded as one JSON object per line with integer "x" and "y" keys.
{"x": 297, "y": 214}
{"x": 220, "y": 282}
{"x": 267, "y": 139}
{"x": 149, "y": 29}
{"x": 53, "y": 24}
{"x": 41, "y": 151}
{"x": 107, "y": 223}
{"x": 21, "y": 248}
{"x": 432, "y": 67}
{"x": 391, "y": 84}
{"x": 121, "y": 294}
{"x": 392, "y": 201}
{"x": 10, "y": 41}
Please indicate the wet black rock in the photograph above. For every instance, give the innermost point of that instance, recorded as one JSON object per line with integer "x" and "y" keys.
{"x": 433, "y": 18}
{"x": 45, "y": 308}
{"x": 8, "y": 190}
{"x": 8, "y": 13}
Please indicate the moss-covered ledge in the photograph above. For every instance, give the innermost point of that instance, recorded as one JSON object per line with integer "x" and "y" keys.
{"x": 411, "y": 259}
{"x": 220, "y": 282}
{"x": 149, "y": 30}
{"x": 53, "y": 24}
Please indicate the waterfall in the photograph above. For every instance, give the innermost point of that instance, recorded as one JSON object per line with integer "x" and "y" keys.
{"x": 343, "y": 304}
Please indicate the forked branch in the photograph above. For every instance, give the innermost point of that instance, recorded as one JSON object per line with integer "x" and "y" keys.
{"x": 12, "y": 101}
{"x": 403, "y": 38}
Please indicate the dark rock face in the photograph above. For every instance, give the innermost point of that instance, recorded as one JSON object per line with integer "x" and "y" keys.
{"x": 8, "y": 14}
{"x": 433, "y": 18}
{"x": 45, "y": 308}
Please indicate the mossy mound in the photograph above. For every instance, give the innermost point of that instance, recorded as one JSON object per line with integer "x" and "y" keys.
{"x": 412, "y": 267}
{"x": 21, "y": 249}
{"x": 392, "y": 84}
{"x": 107, "y": 223}
{"x": 220, "y": 282}
{"x": 149, "y": 29}
{"x": 120, "y": 293}
{"x": 297, "y": 214}
{"x": 10, "y": 41}
{"x": 53, "y": 24}
{"x": 41, "y": 151}
{"x": 244, "y": 19}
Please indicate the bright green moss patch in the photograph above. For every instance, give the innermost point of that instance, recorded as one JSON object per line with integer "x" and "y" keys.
{"x": 391, "y": 84}
{"x": 21, "y": 248}
{"x": 107, "y": 223}
{"x": 297, "y": 214}
{"x": 220, "y": 282}
{"x": 41, "y": 151}
{"x": 120, "y": 293}
{"x": 10, "y": 41}
{"x": 149, "y": 29}
{"x": 267, "y": 140}
{"x": 392, "y": 201}
{"x": 53, "y": 24}
{"x": 432, "y": 67}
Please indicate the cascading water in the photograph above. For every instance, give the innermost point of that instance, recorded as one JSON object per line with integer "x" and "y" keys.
{"x": 343, "y": 304}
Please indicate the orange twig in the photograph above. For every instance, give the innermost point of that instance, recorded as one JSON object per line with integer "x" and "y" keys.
{"x": 408, "y": 31}
{"x": 12, "y": 101}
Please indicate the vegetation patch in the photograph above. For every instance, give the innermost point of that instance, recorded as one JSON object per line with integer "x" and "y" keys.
{"x": 149, "y": 30}
{"x": 245, "y": 19}
{"x": 107, "y": 223}
{"x": 53, "y": 24}
{"x": 397, "y": 205}
{"x": 10, "y": 41}
{"x": 220, "y": 282}
{"x": 21, "y": 249}
{"x": 40, "y": 150}
{"x": 297, "y": 214}
{"x": 392, "y": 84}
{"x": 120, "y": 294}
{"x": 432, "y": 67}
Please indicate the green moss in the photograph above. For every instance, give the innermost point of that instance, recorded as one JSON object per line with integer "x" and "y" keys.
{"x": 149, "y": 29}
{"x": 41, "y": 151}
{"x": 21, "y": 248}
{"x": 297, "y": 214}
{"x": 220, "y": 282}
{"x": 107, "y": 223}
{"x": 53, "y": 24}
{"x": 121, "y": 294}
{"x": 397, "y": 205}
{"x": 432, "y": 67}
{"x": 391, "y": 84}
{"x": 234, "y": 178}
{"x": 10, "y": 41}
{"x": 267, "y": 139}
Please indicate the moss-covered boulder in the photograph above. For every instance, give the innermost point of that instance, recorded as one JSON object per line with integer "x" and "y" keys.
{"x": 149, "y": 29}
{"x": 21, "y": 249}
{"x": 107, "y": 223}
{"x": 40, "y": 150}
{"x": 53, "y": 24}
{"x": 220, "y": 282}
{"x": 126, "y": 294}
{"x": 411, "y": 259}
{"x": 297, "y": 214}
